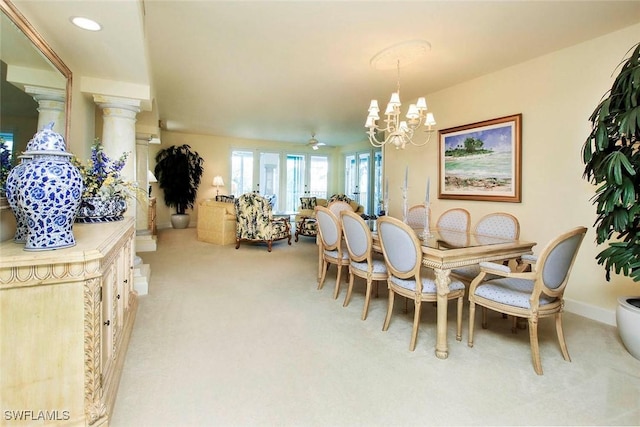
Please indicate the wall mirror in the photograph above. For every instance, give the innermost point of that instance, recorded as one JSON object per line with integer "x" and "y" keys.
{"x": 31, "y": 76}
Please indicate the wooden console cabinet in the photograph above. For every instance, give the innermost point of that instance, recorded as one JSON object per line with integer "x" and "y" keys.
{"x": 65, "y": 320}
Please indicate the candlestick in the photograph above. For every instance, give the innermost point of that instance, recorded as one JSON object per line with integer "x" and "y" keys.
{"x": 426, "y": 199}
{"x": 406, "y": 177}
{"x": 405, "y": 207}
{"x": 386, "y": 188}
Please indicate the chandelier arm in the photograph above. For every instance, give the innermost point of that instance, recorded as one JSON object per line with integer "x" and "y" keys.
{"x": 373, "y": 140}
{"x": 420, "y": 144}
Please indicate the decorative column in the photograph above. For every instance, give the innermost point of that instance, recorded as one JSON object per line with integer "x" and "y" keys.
{"x": 119, "y": 136}
{"x": 51, "y": 107}
{"x": 142, "y": 166}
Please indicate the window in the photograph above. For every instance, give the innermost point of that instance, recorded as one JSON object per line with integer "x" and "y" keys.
{"x": 8, "y": 141}
{"x": 363, "y": 179}
{"x": 241, "y": 172}
{"x": 304, "y": 174}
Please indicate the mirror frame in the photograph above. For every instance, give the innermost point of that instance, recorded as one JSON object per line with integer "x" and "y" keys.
{"x": 21, "y": 22}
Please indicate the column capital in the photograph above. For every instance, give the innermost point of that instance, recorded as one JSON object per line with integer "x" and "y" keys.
{"x": 40, "y": 93}
{"x": 130, "y": 104}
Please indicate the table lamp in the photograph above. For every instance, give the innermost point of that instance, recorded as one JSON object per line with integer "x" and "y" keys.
{"x": 150, "y": 178}
{"x": 218, "y": 182}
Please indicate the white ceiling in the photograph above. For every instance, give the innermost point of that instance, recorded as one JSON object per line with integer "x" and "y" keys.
{"x": 280, "y": 70}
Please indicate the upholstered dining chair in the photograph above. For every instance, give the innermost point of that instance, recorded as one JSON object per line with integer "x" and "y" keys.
{"x": 531, "y": 295}
{"x": 255, "y": 222}
{"x": 364, "y": 262}
{"x": 496, "y": 224}
{"x": 417, "y": 216}
{"x": 332, "y": 247}
{"x": 455, "y": 219}
{"x": 403, "y": 255}
{"x": 338, "y": 206}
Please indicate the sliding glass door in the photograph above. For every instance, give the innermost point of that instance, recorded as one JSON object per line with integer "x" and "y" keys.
{"x": 260, "y": 172}
{"x": 363, "y": 178}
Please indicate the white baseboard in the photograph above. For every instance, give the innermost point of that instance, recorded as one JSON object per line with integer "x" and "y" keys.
{"x": 598, "y": 314}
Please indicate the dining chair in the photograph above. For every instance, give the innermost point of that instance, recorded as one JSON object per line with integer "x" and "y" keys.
{"x": 332, "y": 247}
{"x": 363, "y": 261}
{"x": 338, "y": 206}
{"x": 403, "y": 255}
{"x": 496, "y": 224}
{"x": 531, "y": 295}
{"x": 417, "y": 216}
{"x": 455, "y": 219}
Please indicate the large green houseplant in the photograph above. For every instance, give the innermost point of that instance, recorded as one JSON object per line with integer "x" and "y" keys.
{"x": 179, "y": 172}
{"x": 611, "y": 155}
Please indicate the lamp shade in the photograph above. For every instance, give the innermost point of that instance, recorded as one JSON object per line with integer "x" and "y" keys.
{"x": 151, "y": 177}
{"x": 218, "y": 181}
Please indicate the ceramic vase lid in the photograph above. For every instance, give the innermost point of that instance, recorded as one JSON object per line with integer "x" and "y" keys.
{"x": 47, "y": 141}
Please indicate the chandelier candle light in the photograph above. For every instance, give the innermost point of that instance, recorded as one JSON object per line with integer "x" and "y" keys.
{"x": 400, "y": 132}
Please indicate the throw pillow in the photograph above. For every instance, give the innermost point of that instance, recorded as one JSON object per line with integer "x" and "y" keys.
{"x": 308, "y": 203}
{"x": 341, "y": 197}
{"x": 222, "y": 198}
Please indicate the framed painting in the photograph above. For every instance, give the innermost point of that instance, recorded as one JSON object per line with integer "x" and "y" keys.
{"x": 481, "y": 161}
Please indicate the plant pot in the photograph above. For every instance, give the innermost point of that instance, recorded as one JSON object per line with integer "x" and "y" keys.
{"x": 628, "y": 321}
{"x": 180, "y": 220}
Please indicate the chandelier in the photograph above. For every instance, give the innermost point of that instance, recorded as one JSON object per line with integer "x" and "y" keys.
{"x": 396, "y": 131}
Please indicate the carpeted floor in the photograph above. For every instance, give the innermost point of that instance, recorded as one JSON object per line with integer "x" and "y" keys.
{"x": 242, "y": 337}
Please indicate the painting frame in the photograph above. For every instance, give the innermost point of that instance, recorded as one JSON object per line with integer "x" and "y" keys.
{"x": 481, "y": 161}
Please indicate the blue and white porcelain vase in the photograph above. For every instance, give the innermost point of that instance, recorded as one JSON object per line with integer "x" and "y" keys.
{"x": 13, "y": 183}
{"x": 49, "y": 192}
{"x": 98, "y": 209}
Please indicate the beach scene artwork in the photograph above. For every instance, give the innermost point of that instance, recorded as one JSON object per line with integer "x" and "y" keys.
{"x": 479, "y": 160}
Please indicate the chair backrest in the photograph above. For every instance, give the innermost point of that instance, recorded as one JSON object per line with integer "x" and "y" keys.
{"x": 338, "y": 206}
{"x": 417, "y": 216}
{"x": 498, "y": 224}
{"x": 253, "y": 216}
{"x": 357, "y": 236}
{"x": 400, "y": 247}
{"x": 455, "y": 219}
{"x": 329, "y": 228}
{"x": 555, "y": 262}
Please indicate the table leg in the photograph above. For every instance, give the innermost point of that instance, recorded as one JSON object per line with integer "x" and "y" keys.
{"x": 442, "y": 283}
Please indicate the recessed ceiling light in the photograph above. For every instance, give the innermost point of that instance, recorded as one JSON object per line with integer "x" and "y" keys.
{"x": 86, "y": 23}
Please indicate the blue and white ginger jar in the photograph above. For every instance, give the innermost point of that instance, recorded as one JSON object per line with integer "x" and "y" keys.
{"x": 13, "y": 183}
{"x": 49, "y": 192}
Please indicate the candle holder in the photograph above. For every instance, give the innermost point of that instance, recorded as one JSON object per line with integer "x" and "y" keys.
{"x": 426, "y": 233}
{"x": 405, "y": 210}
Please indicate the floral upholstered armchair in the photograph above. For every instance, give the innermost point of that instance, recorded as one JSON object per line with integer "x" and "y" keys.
{"x": 255, "y": 222}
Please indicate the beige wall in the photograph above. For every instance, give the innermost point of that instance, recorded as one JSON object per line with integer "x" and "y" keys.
{"x": 556, "y": 94}
{"x": 216, "y": 152}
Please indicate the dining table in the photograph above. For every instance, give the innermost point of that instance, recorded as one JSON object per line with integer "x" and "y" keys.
{"x": 444, "y": 250}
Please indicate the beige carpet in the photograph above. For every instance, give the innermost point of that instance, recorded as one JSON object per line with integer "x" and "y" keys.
{"x": 242, "y": 337}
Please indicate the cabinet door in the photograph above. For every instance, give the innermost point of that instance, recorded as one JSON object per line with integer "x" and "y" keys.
{"x": 109, "y": 318}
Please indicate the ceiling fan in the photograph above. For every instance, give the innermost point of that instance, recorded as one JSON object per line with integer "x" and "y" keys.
{"x": 314, "y": 143}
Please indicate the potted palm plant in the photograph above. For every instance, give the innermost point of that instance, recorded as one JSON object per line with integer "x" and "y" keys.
{"x": 179, "y": 171}
{"x": 611, "y": 155}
